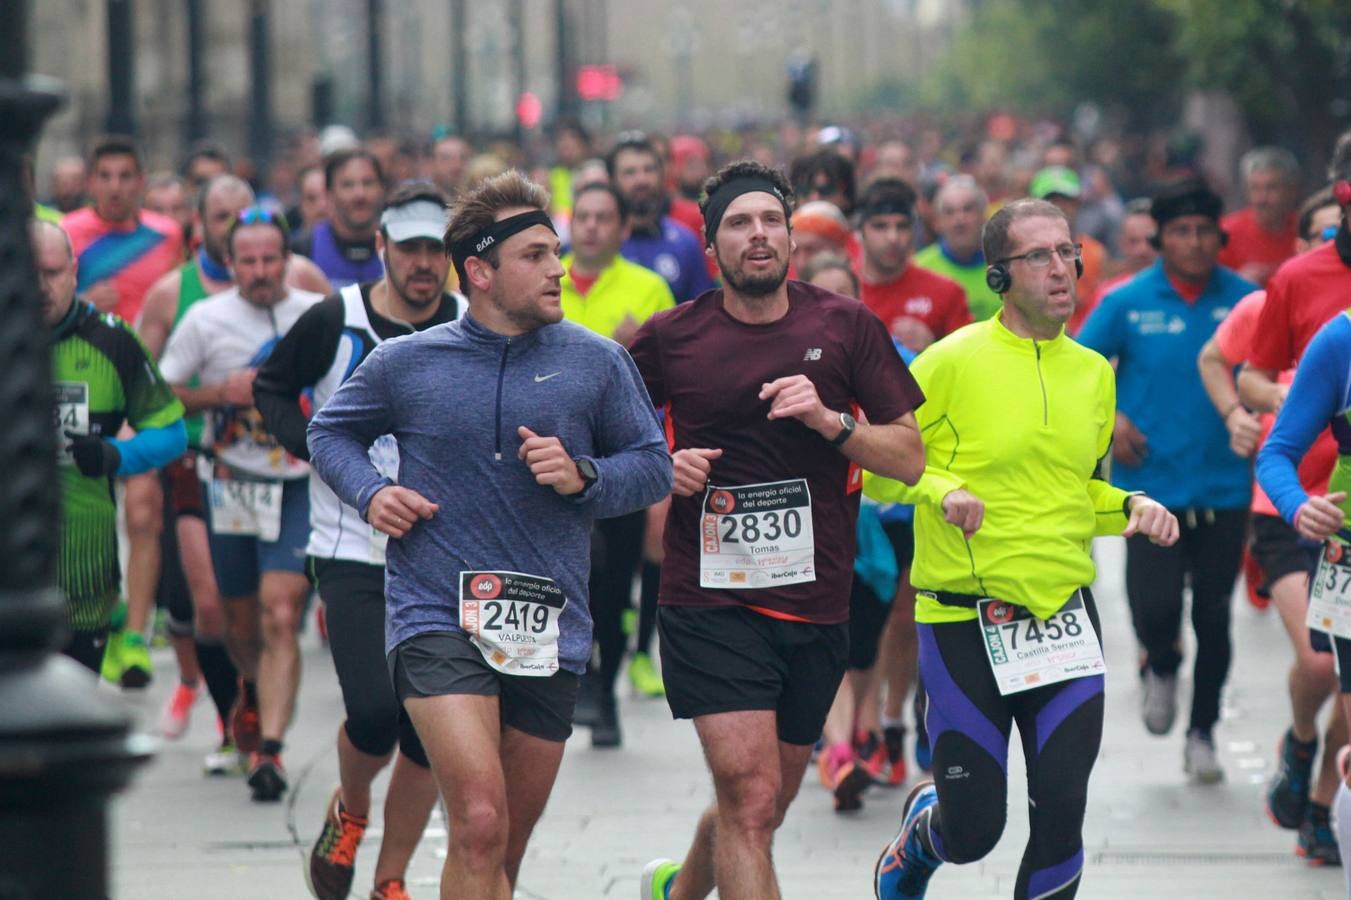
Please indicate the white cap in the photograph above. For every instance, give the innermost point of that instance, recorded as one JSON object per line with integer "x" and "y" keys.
{"x": 421, "y": 219}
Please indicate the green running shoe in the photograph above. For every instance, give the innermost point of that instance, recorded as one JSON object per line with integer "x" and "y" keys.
{"x": 112, "y": 659}
{"x": 658, "y": 876}
{"x": 135, "y": 659}
{"x": 644, "y": 677}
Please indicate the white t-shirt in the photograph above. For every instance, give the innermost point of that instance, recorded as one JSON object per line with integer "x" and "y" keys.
{"x": 223, "y": 334}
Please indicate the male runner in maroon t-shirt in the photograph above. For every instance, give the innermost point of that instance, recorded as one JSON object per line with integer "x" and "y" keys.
{"x": 756, "y": 380}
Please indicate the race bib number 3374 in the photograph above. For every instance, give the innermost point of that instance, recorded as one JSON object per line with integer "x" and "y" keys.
{"x": 757, "y": 536}
{"x": 1330, "y": 593}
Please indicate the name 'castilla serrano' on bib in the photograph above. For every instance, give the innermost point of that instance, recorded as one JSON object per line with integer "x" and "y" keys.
{"x": 1026, "y": 652}
{"x": 757, "y": 535}
{"x": 512, "y": 618}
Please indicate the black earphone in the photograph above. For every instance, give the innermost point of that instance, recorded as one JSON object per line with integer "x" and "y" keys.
{"x": 999, "y": 279}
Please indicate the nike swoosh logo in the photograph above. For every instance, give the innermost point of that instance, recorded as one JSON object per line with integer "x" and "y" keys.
{"x": 539, "y": 378}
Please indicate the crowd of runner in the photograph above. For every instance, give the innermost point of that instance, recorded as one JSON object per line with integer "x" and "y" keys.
{"x": 716, "y": 417}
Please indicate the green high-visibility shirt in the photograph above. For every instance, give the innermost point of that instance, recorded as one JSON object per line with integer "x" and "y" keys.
{"x": 1023, "y": 425}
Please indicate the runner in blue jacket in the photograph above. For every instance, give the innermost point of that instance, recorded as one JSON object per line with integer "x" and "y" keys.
{"x": 515, "y": 431}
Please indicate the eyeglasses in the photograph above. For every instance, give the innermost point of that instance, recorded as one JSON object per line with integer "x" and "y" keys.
{"x": 1041, "y": 258}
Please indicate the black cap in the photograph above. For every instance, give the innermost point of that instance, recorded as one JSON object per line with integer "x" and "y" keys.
{"x": 1189, "y": 197}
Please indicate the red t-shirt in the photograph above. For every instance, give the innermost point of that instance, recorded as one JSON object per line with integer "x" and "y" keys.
{"x": 1302, "y": 297}
{"x": 938, "y": 302}
{"x": 1250, "y": 247}
{"x": 1234, "y": 336}
{"x": 707, "y": 368}
{"x": 583, "y": 283}
{"x": 132, "y": 254}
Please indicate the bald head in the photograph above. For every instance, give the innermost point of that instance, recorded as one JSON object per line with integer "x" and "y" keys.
{"x": 55, "y": 260}
{"x": 221, "y": 200}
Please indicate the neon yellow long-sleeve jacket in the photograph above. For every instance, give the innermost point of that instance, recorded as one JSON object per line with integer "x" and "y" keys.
{"x": 1023, "y": 425}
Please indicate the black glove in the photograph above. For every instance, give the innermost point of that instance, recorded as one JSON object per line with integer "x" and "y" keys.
{"x": 93, "y": 456}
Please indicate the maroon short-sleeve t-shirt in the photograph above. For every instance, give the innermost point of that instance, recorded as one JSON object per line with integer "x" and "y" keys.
{"x": 707, "y": 368}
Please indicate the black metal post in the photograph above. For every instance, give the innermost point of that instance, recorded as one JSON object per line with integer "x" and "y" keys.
{"x": 517, "y": 16}
{"x": 567, "y": 92}
{"x": 121, "y": 72}
{"x": 197, "y": 123}
{"x": 260, "y": 64}
{"x": 375, "y": 90}
{"x": 459, "y": 67}
{"x": 64, "y": 749}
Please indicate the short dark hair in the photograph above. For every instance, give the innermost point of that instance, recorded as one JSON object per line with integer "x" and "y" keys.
{"x": 204, "y": 149}
{"x": 994, "y": 237}
{"x": 478, "y": 208}
{"x": 1137, "y": 207}
{"x": 886, "y": 192}
{"x": 339, "y": 158}
{"x": 114, "y": 145}
{"x": 604, "y": 188}
{"x": 258, "y": 215}
{"x": 805, "y": 169}
{"x": 415, "y": 191}
{"x": 1310, "y": 207}
{"x": 745, "y": 168}
{"x": 634, "y": 142}
{"x": 570, "y": 124}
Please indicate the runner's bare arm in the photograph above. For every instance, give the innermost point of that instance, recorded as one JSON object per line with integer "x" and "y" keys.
{"x": 235, "y": 390}
{"x": 1217, "y": 376}
{"x": 893, "y": 449}
{"x": 303, "y": 274}
{"x": 1258, "y": 389}
{"x": 157, "y": 315}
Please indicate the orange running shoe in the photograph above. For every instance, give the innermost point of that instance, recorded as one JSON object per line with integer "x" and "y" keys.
{"x": 333, "y": 858}
{"x": 390, "y": 890}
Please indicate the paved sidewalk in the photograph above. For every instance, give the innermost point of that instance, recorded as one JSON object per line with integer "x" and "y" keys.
{"x": 180, "y": 836}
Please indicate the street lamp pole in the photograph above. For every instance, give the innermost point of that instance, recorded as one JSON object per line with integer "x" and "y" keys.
{"x": 121, "y": 72}
{"x": 64, "y": 748}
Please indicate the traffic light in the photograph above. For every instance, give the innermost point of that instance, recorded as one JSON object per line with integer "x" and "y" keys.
{"x": 802, "y": 85}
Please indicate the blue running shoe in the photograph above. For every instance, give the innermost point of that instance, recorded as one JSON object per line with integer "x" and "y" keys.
{"x": 1288, "y": 794}
{"x": 904, "y": 868}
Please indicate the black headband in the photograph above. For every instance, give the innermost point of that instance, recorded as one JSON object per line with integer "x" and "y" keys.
{"x": 719, "y": 201}
{"x": 886, "y": 208}
{"x": 497, "y": 232}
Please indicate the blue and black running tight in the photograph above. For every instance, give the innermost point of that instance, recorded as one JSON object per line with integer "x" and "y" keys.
{"x": 969, "y": 726}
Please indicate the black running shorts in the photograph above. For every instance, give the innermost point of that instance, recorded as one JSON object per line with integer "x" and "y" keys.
{"x": 1280, "y": 551}
{"x": 732, "y": 659}
{"x": 444, "y": 662}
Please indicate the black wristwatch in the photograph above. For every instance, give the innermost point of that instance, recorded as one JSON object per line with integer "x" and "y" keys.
{"x": 847, "y": 425}
{"x": 587, "y": 469}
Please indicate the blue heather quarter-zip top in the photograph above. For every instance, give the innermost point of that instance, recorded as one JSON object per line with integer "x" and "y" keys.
{"x": 453, "y": 396}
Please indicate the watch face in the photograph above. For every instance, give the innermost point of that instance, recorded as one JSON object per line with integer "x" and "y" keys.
{"x": 848, "y": 421}
{"x": 588, "y": 469}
